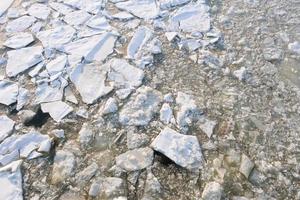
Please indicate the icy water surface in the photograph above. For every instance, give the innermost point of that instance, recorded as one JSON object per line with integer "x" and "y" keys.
{"x": 150, "y": 100}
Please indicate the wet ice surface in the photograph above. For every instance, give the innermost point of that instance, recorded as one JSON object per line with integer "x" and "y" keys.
{"x": 171, "y": 99}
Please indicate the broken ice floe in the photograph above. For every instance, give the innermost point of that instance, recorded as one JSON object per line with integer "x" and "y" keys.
{"x": 89, "y": 80}
{"x": 86, "y": 135}
{"x": 22, "y": 59}
{"x": 140, "y": 38}
{"x": 13, "y": 13}
{"x": 4, "y": 5}
{"x": 171, "y": 35}
{"x": 294, "y": 47}
{"x": 57, "y": 65}
{"x": 136, "y": 159}
{"x": 76, "y": 18}
{"x": 21, "y": 146}
{"x": 19, "y": 40}
{"x": 110, "y": 188}
{"x": 122, "y": 16}
{"x": 184, "y": 150}
{"x": 20, "y": 24}
{"x": 6, "y": 127}
{"x": 8, "y": 92}
{"x": 69, "y": 95}
{"x": 241, "y": 73}
{"x": 187, "y": 110}
{"x": 110, "y": 106}
{"x": 124, "y": 75}
{"x": 166, "y": 113}
{"x": 95, "y": 48}
{"x": 23, "y": 98}
{"x": 153, "y": 188}
{"x": 60, "y": 7}
{"x": 39, "y": 11}
{"x": 141, "y": 107}
{"x": 98, "y": 22}
{"x": 57, "y": 109}
{"x": 56, "y": 37}
{"x": 142, "y": 46}
{"x": 91, "y": 6}
{"x": 63, "y": 167}
{"x": 87, "y": 174}
{"x": 191, "y": 18}
{"x": 48, "y": 93}
{"x": 146, "y": 9}
{"x": 207, "y": 126}
{"x": 11, "y": 181}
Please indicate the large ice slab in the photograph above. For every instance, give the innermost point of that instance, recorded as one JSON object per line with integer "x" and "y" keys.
{"x": 22, "y": 145}
{"x": 89, "y": 80}
{"x": 19, "y": 40}
{"x": 140, "y": 109}
{"x": 11, "y": 181}
{"x": 124, "y": 75}
{"x": 146, "y": 9}
{"x": 20, "y": 24}
{"x": 57, "y": 65}
{"x": 56, "y": 109}
{"x": 39, "y": 11}
{"x": 76, "y": 18}
{"x": 138, "y": 41}
{"x": 98, "y": 22}
{"x": 22, "y": 59}
{"x": 48, "y": 93}
{"x": 143, "y": 46}
{"x": 184, "y": 150}
{"x": 95, "y": 48}
{"x": 8, "y": 92}
{"x": 56, "y": 37}
{"x": 193, "y": 17}
{"x": 60, "y": 7}
{"x": 6, "y": 127}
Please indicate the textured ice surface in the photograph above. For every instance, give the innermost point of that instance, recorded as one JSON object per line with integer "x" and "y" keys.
{"x": 56, "y": 37}
{"x": 6, "y": 127}
{"x": 146, "y": 9}
{"x": 95, "y": 48}
{"x": 141, "y": 107}
{"x": 191, "y": 18}
{"x": 22, "y": 59}
{"x": 184, "y": 150}
{"x": 11, "y": 182}
{"x": 4, "y": 5}
{"x": 8, "y": 92}
{"x": 19, "y": 40}
{"x": 89, "y": 80}
{"x": 57, "y": 109}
